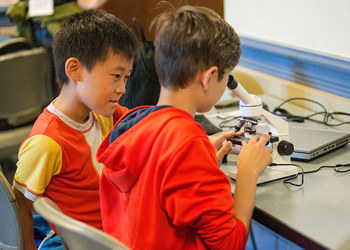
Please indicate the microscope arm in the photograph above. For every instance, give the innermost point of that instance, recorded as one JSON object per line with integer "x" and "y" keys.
{"x": 277, "y": 125}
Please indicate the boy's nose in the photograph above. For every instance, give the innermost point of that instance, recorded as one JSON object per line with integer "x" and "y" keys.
{"x": 120, "y": 89}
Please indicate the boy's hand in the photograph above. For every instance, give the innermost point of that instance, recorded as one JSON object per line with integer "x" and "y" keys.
{"x": 255, "y": 156}
{"x": 222, "y": 146}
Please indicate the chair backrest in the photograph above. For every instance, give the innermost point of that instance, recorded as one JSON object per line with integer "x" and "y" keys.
{"x": 11, "y": 139}
{"x": 13, "y": 44}
{"x": 11, "y": 229}
{"x": 25, "y": 89}
{"x": 25, "y": 85}
{"x": 75, "y": 234}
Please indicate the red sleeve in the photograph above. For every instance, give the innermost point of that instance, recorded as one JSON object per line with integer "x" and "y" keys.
{"x": 196, "y": 193}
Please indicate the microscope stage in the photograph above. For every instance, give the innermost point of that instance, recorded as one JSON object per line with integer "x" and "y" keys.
{"x": 271, "y": 173}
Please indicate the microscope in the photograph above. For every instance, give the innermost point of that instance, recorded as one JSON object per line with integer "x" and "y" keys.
{"x": 251, "y": 111}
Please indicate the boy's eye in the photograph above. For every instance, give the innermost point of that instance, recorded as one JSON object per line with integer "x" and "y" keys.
{"x": 118, "y": 77}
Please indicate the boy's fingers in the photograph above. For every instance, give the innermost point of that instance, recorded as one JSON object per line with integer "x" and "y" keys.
{"x": 225, "y": 149}
{"x": 264, "y": 139}
{"x": 254, "y": 138}
{"x": 228, "y": 134}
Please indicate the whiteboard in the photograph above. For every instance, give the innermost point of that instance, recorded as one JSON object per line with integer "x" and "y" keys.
{"x": 320, "y": 26}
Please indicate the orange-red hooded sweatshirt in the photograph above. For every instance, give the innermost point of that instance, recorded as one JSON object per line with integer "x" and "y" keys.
{"x": 161, "y": 187}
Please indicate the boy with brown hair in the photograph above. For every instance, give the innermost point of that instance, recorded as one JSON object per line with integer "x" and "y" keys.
{"x": 161, "y": 187}
{"x": 93, "y": 54}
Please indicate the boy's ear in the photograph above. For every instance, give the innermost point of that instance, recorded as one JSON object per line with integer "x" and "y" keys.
{"x": 207, "y": 75}
{"x": 73, "y": 69}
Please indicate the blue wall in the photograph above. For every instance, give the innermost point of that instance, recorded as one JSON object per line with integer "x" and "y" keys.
{"x": 329, "y": 74}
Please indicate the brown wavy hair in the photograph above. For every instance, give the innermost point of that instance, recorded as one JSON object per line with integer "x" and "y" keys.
{"x": 191, "y": 39}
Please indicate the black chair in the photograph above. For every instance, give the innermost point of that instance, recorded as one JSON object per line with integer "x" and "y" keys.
{"x": 13, "y": 45}
{"x": 25, "y": 89}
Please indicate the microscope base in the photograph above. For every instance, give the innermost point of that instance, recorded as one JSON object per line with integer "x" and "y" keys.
{"x": 271, "y": 173}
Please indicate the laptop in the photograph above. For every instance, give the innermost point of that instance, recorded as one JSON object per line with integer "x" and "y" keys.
{"x": 310, "y": 143}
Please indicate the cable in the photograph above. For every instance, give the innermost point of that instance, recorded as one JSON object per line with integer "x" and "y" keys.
{"x": 327, "y": 116}
{"x": 223, "y": 124}
{"x": 339, "y": 168}
{"x": 288, "y": 180}
{"x": 302, "y": 98}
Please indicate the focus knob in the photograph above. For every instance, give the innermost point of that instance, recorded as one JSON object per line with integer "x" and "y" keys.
{"x": 285, "y": 148}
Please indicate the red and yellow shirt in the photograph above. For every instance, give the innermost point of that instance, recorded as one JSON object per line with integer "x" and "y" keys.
{"x": 57, "y": 161}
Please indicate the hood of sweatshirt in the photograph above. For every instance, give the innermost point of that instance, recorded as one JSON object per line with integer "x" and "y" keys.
{"x": 127, "y": 147}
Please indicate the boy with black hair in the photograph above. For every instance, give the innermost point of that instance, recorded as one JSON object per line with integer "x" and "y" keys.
{"x": 93, "y": 54}
{"x": 161, "y": 187}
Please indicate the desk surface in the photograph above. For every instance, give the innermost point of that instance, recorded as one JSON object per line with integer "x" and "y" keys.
{"x": 315, "y": 215}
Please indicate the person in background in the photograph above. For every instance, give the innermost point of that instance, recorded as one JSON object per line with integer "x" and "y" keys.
{"x": 93, "y": 54}
{"x": 40, "y": 29}
{"x": 161, "y": 187}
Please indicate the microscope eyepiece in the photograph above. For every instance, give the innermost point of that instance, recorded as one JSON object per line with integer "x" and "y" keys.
{"x": 232, "y": 83}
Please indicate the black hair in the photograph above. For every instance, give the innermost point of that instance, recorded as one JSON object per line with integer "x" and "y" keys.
{"x": 89, "y": 36}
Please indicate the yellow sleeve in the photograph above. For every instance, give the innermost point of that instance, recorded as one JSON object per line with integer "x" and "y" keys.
{"x": 39, "y": 158}
{"x": 106, "y": 124}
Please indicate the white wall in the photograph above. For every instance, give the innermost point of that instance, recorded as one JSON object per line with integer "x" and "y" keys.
{"x": 4, "y": 3}
{"x": 321, "y": 26}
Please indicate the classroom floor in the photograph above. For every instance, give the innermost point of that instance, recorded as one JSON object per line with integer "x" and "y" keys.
{"x": 265, "y": 239}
